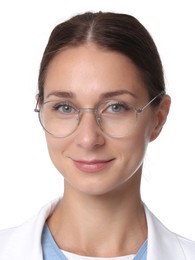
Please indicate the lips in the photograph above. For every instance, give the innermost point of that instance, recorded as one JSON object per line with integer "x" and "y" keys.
{"x": 92, "y": 166}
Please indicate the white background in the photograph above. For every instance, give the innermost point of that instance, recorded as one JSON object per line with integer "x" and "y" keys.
{"x": 27, "y": 177}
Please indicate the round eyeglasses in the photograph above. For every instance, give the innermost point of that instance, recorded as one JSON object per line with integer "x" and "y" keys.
{"x": 115, "y": 118}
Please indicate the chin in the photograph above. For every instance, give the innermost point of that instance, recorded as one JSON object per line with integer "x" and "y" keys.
{"x": 99, "y": 189}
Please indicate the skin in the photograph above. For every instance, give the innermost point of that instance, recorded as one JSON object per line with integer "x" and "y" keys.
{"x": 101, "y": 212}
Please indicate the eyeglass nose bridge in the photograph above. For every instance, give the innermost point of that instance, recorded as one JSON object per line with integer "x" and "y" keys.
{"x": 95, "y": 110}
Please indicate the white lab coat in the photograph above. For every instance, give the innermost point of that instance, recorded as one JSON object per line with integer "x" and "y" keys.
{"x": 24, "y": 242}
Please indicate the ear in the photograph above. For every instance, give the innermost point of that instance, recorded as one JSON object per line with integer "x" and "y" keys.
{"x": 161, "y": 114}
{"x": 37, "y": 97}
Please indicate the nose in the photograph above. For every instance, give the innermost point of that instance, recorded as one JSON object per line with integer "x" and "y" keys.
{"x": 89, "y": 135}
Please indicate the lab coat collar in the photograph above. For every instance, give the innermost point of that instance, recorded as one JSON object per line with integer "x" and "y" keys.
{"x": 24, "y": 242}
{"x": 162, "y": 243}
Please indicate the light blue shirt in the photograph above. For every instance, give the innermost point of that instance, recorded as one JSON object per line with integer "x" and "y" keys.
{"x": 52, "y": 252}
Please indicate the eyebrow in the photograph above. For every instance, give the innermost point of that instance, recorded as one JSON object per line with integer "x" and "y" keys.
{"x": 110, "y": 94}
{"x": 61, "y": 94}
{"x": 117, "y": 93}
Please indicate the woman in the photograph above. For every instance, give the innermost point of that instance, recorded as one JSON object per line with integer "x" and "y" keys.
{"x": 101, "y": 101}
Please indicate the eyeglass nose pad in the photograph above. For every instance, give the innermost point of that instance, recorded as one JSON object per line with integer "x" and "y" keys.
{"x": 98, "y": 119}
{"x": 78, "y": 115}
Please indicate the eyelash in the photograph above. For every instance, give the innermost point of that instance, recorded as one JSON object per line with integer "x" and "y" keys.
{"x": 57, "y": 106}
{"x": 122, "y": 104}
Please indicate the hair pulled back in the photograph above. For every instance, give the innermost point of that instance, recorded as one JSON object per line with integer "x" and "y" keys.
{"x": 118, "y": 32}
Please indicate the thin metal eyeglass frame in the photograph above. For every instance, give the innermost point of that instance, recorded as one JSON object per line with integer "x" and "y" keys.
{"x": 97, "y": 115}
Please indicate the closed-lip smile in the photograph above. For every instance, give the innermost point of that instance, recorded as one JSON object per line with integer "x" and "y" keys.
{"x": 92, "y": 165}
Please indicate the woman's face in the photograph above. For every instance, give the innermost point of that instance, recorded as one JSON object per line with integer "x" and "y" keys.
{"x": 90, "y": 161}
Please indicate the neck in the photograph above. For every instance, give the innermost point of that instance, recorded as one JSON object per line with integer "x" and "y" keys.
{"x": 107, "y": 225}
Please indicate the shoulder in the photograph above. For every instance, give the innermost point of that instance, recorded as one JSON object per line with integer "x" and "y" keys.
{"x": 32, "y": 225}
{"x": 17, "y": 242}
{"x": 165, "y": 244}
{"x": 187, "y": 245}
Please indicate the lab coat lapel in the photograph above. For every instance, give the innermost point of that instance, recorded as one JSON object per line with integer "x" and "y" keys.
{"x": 24, "y": 242}
{"x": 162, "y": 244}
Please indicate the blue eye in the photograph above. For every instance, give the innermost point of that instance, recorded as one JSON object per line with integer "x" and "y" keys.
{"x": 64, "y": 108}
{"x": 117, "y": 108}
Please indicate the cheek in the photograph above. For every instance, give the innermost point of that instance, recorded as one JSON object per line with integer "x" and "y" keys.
{"x": 132, "y": 149}
{"x": 56, "y": 147}
{"x": 52, "y": 145}
{"x": 140, "y": 136}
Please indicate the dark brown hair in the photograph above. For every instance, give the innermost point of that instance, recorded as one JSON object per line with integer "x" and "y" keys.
{"x": 118, "y": 32}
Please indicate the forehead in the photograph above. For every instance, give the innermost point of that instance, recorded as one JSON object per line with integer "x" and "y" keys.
{"x": 88, "y": 71}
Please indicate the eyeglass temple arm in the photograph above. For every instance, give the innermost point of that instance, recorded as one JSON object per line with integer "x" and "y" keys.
{"x": 139, "y": 110}
{"x": 36, "y": 107}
